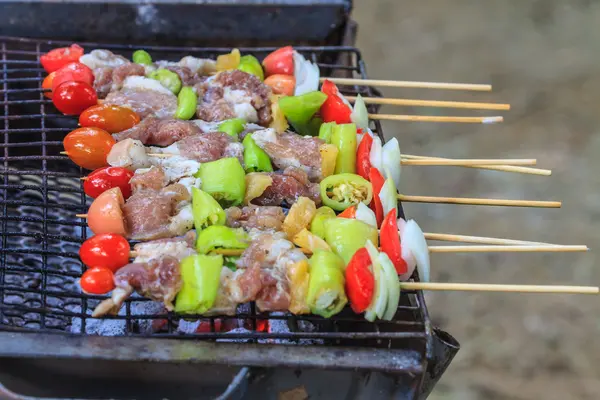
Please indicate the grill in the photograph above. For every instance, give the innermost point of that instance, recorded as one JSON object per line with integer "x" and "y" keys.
{"x": 44, "y": 314}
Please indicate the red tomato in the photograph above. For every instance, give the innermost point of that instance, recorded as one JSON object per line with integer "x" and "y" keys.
{"x": 109, "y": 117}
{"x": 281, "y": 61}
{"x": 107, "y": 178}
{"x": 74, "y": 71}
{"x": 282, "y": 84}
{"x": 97, "y": 280}
{"x": 71, "y": 98}
{"x": 57, "y": 58}
{"x": 105, "y": 215}
{"x": 107, "y": 250}
{"x": 335, "y": 109}
{"x": 47, "y": 84}
{"x": 88, "y": 147}
{"x": 360, "y": 282}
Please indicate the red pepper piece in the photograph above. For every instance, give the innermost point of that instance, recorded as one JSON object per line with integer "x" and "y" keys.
{"x": 349, "y": 213}
{"x": 360, "y": 282}
{"x": 363, "y": 163}
{"x": 334, "y": 109}
{"x": 390, "y": 242}
{"x": 377, "y": 182}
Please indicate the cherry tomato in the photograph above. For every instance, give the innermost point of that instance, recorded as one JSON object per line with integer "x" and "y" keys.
{"x": 107, "y": 178}
{"x": 282, "y": 84}
{"x": 281, "y": 61}
{"x": 88, "y": 147}
{"x": 105, "y": 215}
{"x": 107, "y": 250}
{"x": 71, "y": 98}
{"x": 97, "y": 280}
{"x": 56, "y": 58}
{"x": 109, "y": 117}
{"x": 47, "y": 84}
{"x": 74, "y": 71}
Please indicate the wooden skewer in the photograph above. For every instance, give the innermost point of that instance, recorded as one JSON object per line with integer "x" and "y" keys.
{"x": 485, "y": 287}
{"x": 446, "y": 237}
{"x": 468, "y": 162}
{"x": 431, "y": 118}
{"x": 410, "y": 84}
{"x": 480, "y": 202}
{"x": 433, "y": 103}
{"x": 521, "y": 170}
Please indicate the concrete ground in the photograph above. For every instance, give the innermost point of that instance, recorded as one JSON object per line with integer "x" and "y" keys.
{"x": 542, "y": 57}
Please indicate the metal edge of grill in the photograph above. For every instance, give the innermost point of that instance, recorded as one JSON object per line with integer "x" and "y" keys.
{"x": 27, "y": 115}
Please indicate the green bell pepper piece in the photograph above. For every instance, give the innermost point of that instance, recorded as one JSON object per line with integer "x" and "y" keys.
{"x": 325, "y": 131}
{"x": 221, "y": 237}
{"x": 206, "y": 210}
{"x": 344, "y": 190}
{"x": 317, "y": 225}
{"x": 232, "y": 127}
{"x": 255, "y": 158}
{"x": 142, "y": 57}
{"x": 310, "y": 128}
{"x": 251, "y": 65}
{"x": 346, "y": 236}
{"x": 200, "y": 275}
{"x": 168, "y": 79}
{"x": 326, "y": 296}
{"x": 186, "y": 103}
{"x": 300, "y": 109}
{"x": 224, "y": 180}
{"x": 344, "y": 138}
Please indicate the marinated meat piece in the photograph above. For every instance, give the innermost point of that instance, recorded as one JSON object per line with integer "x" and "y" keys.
{"x": 225, "y": 303}
{"x": 253, "y": 217}
{"x": 103, "y": 81}
{"x": 159, "y": 280}
{"x": 188, "y": 78}
{"x": 159, "y": 132}
{"x": 120, "y": 73}
{"x": 292, "y": 150}
{"x": 153, "y": 178}
{"x": 197, "y": 66}
{"x": 145, "y": 97}
{"x": 155, "y": 214}
{"x": 287, "y": 187}
{"x": 205, "y": 147}
{"x": 130, "y": 154}
{"x": 235, "y": 149}
{"x": 233, "y": 94}
{"x": 275, "y": 292}
{"x": 101, "y": 58}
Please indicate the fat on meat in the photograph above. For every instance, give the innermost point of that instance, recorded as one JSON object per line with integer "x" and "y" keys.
{"x": 130, "y": 154}
{"x": 144, "y": 96}
{"x": 254, "y": 217}
{"x": 287, "y": 187}
{"x": 291, "y": 150}
{"x": 234, "y": 94}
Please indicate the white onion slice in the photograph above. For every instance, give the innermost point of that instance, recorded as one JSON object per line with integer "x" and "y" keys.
{"x": 376, "y": 154}
{"x": 406, "y": 255}
{"x": 378, "y": 304}
{"x": 393, "y": 286}
{"x": 388, "y": 196}
{"x": 307, "y": 75}
{"x": 360, "y": 115}
{"x": 414, "y": 240}
{"x": 392, "y": 159}
{"x": 366, "y": 215}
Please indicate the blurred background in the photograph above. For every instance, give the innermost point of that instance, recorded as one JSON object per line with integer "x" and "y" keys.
{"x": 542, "y": 57}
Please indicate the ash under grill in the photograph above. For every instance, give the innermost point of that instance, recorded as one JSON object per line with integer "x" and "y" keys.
{"x": 40, "y": 193}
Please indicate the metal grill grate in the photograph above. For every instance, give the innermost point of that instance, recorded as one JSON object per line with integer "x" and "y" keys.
{"x": 40, "y": 193}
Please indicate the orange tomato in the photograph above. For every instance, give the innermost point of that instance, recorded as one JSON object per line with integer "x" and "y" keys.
{"x": 105, "y": 215}
{"x": 282, "y": 84}
{"x": 109, "y": 117}
{"x": 88, "y": 147}
{"x": 47, "y": 84}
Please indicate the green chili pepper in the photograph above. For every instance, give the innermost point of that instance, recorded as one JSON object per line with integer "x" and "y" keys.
{"x": 221, "y": 237}
{"x": 206, "y": 210}
{"x": 200, "y": 275}
{"x": 343, "y": 190}
{"x": 186, "y": 103}
{"x": 344, "y": 138}
{"x": 224, "y": 180}
{"x": 317, "y": 225}
{"x": 310, "y": 128}
{"x": 142, "y": 57}
{"x": 251, "y": 65}
{"x": 325, "y": 131}
{"x": 232, "y": 127}
{"x": 255, "y": 158}
{"x": 326, "y": 295}
{"x": 300, "y": 109}
{"x": 168, "y": 79}
{"x": 346, "y": 236}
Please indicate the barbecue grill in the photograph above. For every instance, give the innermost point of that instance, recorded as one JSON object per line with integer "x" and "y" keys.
{"x": 46, "y": 329}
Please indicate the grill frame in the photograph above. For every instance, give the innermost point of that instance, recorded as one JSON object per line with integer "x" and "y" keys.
{"x": 407, "y": 352}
